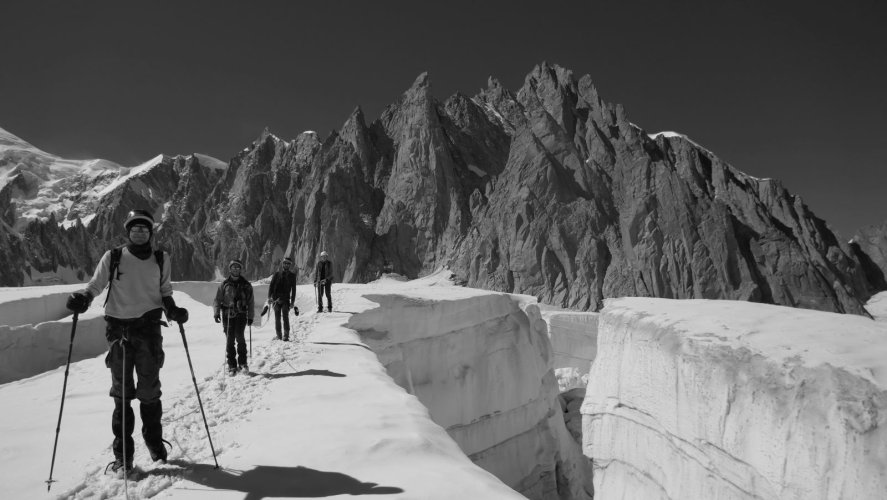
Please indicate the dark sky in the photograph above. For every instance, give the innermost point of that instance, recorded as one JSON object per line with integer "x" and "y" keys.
{"x": 795, "y": 90}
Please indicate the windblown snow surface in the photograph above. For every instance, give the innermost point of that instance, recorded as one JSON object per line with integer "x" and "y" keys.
{"x": 425, "y": 390}
{"x": 318, "y": 417}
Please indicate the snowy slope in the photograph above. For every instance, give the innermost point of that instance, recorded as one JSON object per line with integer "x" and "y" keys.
{"x": 687, "y": 399}
{"x": 320, "y": 417}
{"x": 42, "y": 183}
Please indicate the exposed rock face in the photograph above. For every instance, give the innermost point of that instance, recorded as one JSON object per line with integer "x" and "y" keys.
{"x": 869, "y": 244}
{"x": 549, "y": 191}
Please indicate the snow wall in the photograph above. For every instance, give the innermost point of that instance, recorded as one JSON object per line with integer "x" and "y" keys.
{"x": 35, "y": 327}
{"x": 732, "y": 400}
{"x": 35, "y": 332}
{"x": 481, "y": 363}
{"x": 574, "y": 345}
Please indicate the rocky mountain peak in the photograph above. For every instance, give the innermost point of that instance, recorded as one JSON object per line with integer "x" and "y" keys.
{"x": 423, "y": 82}
{"x": 548, "y": 191}
{"x": 354, "y": 124}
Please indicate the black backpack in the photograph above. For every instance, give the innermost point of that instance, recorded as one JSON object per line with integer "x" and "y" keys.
{"x": 115, "y": 268}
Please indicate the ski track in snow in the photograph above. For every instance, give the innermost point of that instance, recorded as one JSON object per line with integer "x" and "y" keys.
{"x": 228, "y": 402}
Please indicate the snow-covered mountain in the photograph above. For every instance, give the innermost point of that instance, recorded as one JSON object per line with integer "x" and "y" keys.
{"x": 43, "y": 184}
{"x": 422, "y": 389}
{"x": 548, "y": 191}
{"x": 48, "y": 203}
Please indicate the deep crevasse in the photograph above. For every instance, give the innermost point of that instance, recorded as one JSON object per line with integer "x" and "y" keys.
{"x": 481, "y": 363}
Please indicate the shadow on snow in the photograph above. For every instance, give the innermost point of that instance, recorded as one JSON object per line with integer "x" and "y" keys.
{"x": 325, "y": 373}
{"x": 266, "y": 481}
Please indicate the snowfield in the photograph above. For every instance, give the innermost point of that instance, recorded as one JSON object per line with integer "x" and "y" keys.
{"x": 425, "y": 390}
{"x": 318, "y": 417}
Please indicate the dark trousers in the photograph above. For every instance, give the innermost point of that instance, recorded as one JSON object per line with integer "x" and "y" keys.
{"x": 282, "y": 308}
{"x": 324, "y": 287}
{"x": 234, "y": 328}
{"x": 135, "y": 345}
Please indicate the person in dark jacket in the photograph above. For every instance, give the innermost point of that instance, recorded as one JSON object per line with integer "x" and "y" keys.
{"x": 138, "y": 292}
{"x": 323, "y": 280}
{"x": 234, "y": 303}
{"x": 282, "y": 294}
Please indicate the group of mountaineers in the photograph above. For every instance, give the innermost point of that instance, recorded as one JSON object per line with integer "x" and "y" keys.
{"x": 139, "y": 293}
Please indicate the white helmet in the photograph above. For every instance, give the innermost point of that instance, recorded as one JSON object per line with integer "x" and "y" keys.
{"x": 139, "y": 216}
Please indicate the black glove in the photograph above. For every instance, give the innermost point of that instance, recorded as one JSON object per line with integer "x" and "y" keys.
{"x": 296, "y": 310}
{"x": 179, "y": 315}
{"x": 217, "y": 318}
{"x": 79, "y": 302}
{"x": 249, "y": 322}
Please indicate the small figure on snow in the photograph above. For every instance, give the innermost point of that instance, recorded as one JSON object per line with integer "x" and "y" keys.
{"x": 323, "y": 281}
{"x": 282, "y": 294}
{"x": 234, "y": 307}
{"x": 139, "y": 290}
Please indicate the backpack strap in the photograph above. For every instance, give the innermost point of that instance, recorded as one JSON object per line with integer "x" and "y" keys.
{"x": 115, "y": 268}
{"x": 158, "y": 256}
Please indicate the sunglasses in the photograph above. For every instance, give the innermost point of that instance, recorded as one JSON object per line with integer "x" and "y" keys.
{"x": 139, "y": 229}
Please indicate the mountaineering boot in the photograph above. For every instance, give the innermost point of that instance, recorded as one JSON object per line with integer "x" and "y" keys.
{"x": 152, "y": 430}
{"x": 119, "y": 464}
{"x": 329, "y": 309}
{"x": 120, "y": 434}
{"x": 286, "y": 336}
{"x": 232, "y": 370}
{"x": 244, "y": 368}
{"x": 320, "y": 309}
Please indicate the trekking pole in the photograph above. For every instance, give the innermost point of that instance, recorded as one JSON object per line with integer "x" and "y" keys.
{"x": 227, "y": 328}
{"x": 58, "y": 426}
{"x": 315, "y": 296}
{"x": 250, "y": 340}
{"x": 123, "y": 419}
{"x": 197, "y": 390}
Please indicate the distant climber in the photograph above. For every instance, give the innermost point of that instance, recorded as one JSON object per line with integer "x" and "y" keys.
{"x": 323, "y": 280}
{"x": 282, "y": 294}
{"x": 235, "y": 304}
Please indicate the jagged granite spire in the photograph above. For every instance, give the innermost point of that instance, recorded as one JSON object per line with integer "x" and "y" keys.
{"x": 549, "y": 191}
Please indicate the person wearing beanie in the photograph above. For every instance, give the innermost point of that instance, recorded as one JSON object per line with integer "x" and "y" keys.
{"x": 139, "y": 291}
{"x": 234, "y": 307}
{"x": 282, "y": 294}
{"x": 323, "y": 280}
